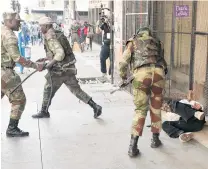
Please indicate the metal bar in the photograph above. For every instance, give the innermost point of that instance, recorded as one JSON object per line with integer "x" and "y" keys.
{"x": 193, "y": 42}
{"x": 194, "y": 32}
{"x": 172, "y": 51}
{"x": 206, "y": 85}
{"x": 155, "y": 31}
{"x": 112, "y": 41}
{"x": 200, "y": 33}
{"x": 137, "y": 13}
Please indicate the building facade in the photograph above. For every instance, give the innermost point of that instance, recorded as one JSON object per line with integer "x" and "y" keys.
{"x": 51, "y": 8}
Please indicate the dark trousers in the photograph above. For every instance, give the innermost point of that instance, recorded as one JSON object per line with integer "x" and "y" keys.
{"x": 104, "y": 55}
{"x": 186, "y": 123}
{"x": 91, "y": 43}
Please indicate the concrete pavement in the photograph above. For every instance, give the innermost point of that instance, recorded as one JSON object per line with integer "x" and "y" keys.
{"x": 72, "y": 138}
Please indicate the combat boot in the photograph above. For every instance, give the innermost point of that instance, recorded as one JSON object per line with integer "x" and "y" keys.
{"x": 155, "y": 140}
{"x": 97, "y": 108}
{"x": 42, "y": 114}
{"x": 133, "y": 150}
{"x": 14, "y": 131}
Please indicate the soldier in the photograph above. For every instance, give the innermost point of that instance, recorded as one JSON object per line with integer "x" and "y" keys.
{"x": 149, "y": 67}
{"x": 62, "y": 69}
{"x": 74, "y": 34}
{"x": 9, "y": 78}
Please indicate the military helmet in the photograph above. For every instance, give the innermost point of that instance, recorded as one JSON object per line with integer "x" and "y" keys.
{"x": 45, "y": 21}
{"x": 143, "y": 30}
{"x": 11, "y": 15}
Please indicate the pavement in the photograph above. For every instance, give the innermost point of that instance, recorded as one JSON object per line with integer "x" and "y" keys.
{"x": 72, "y": 138}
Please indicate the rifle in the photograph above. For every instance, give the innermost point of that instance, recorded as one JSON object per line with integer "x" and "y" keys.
{"x": 123, "y": 84}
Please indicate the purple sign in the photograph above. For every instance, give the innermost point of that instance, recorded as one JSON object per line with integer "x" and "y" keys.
{"x": 181, "y": 10}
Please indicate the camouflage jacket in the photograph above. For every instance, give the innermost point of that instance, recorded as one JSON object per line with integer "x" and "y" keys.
{"x": 75, "y": 28}
{"x": 9, "y": 48}
{"x": 142, "y": 50}
{"x": 58, "y": 48}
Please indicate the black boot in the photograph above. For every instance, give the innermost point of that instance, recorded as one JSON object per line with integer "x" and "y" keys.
{"x": 155, "y": 140}
{"x": 14, "y": 131}
{"x": 42, "y": 114}
{"x": 97, "y": 109}
{"x": 133, "y": 150}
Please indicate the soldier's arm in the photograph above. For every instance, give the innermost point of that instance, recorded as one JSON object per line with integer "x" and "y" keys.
{"x": 163, "y": 58}
{"x": 57, "y": 51}
{"x": 123, "y": 65}
{"x": 11, "y": 45}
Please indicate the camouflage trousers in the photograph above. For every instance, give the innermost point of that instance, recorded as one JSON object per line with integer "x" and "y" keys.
{"x": 148, "y": 86}
{"x": 9, "y": 80}
{"x": 70, "y": 81}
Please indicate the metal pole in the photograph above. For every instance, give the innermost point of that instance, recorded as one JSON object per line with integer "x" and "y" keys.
{"x": 206, "y": 85}
{"x": 74, "y": 7}
{"x": 172, "y": 51}
{"x": 112, "y": 41}
{"x": 193, "y": 42}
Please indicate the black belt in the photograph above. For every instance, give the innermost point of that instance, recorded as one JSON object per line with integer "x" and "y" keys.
{"x": 7, "y": 67}
{"x": 150, "y": 64}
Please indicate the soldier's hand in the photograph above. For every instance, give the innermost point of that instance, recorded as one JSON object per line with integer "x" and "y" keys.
{"x": 40, "y": 66}
{"x": 41, "y": 60}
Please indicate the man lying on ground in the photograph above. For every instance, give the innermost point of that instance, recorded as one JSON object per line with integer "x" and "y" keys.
{"x": 192, "y": 118}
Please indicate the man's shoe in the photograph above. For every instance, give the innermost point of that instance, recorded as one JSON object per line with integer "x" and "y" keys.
{"x": 133, "y": 150}
{"x": 14, "y": 131}
{"x": 185, "y": 137}
{"x": 41, "y": 114}
{"x": 97, "y": 108}
{"x": 155, "y": 140}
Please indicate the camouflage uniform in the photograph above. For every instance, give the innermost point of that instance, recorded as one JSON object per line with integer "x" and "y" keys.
{"x": 9, "y": 78}
{"x": 149, "y": 80}
{"x": 74, "y": 33}
{"x": 63, "y": 71}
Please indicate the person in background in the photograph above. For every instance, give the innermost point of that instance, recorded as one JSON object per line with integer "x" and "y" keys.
{"x": 75, "y": 34}
{"x": 90, "y": 34}
{"x": 103, "y": 27}
{"x": 84, "y": 35}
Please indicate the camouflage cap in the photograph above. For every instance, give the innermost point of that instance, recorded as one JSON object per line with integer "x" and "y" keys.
{"x": 45, "y": 21}
{"x": 143, "y": 29}
{"x": 11, "y": 15}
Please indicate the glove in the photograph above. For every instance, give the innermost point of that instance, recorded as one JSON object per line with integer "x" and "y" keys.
{"x": 42, "y": 60}
{"x": 40, "y": 66}
{"x": 50, "y": 64}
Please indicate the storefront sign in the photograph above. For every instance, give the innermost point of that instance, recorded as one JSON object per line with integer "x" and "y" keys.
{"x": 181, "y": 10}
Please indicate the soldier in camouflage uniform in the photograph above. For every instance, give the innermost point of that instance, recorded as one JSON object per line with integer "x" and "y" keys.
{"x": 149, "y": 67}
{"x": 62, "y": 69}
{"x": 9, "y": 78}
{"x": 74, "y": 34}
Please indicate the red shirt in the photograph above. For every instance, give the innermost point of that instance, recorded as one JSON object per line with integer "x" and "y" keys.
{"x": 79, "y": 32}
{"x": 85, "y": 30}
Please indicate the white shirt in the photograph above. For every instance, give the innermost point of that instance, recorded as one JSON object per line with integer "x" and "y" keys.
{"x": 192, "y": 102}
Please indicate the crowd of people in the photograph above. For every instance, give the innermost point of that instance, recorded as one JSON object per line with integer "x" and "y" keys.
{"x": 30, "y": 33}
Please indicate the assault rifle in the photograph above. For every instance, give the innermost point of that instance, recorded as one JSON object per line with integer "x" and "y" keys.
{"x": 123, "y": 84}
